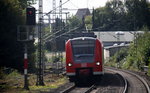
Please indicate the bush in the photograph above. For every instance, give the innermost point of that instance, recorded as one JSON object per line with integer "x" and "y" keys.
{"x": 139, "y": 51}
{"x": 2, "y": 75}
{"x": 148, "y": 73}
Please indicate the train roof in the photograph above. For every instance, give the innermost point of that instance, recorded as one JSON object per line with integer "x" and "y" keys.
{"x": 83, "y": 38}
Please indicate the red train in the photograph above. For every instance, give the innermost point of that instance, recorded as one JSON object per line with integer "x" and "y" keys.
{"x": 84, "y": 57}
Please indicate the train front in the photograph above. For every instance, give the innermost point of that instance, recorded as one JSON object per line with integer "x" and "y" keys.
{"x": 83, "y": 57}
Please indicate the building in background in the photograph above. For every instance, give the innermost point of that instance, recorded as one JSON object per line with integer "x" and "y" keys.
{"x": 111, "y": 38}
{"x": 82, "y": 12}
{"x": 113, "y": 41}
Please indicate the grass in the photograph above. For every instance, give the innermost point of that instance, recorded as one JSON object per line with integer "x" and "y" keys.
{"x": 11, "y": 81}
{"x": 52, "y": 83}
{"x": 14, "y": 83}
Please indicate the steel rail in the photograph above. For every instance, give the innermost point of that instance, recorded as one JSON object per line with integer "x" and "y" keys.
{"x": 138, "y": 76}
{"x": 90, "y": 89}
{"x": 141, "y": 79}
{"x": 124, "y": 80}
{"x": 68, "y": 89}
{"x": 71, "y": 88}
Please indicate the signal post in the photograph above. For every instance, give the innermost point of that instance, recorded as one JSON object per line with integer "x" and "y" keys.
{"x": 26, "y": 68}
{"x": 25, "y": 34}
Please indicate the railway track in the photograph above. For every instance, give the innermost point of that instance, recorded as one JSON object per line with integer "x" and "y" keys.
{"x": 135, "y": 83}
{"x": 110, "y": 83}
{"x": 113, "y": 81}
{"x": 76, "y": 89}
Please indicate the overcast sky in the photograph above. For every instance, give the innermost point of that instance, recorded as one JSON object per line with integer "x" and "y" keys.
{"x": 73, "y": 4}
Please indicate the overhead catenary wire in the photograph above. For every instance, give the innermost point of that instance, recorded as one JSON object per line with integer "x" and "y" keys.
{"x": 56, "y": 8}
{"x": 66, "y": 33}
{"x": 47, "y": 35}
{"x": 46, "y": 38}
{"x": 74, "y": 5}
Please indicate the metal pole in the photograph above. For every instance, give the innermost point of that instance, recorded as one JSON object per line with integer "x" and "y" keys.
{"x": 118, "y": 39}
{"x": 118, "y": 33}
{"x": 40, "y": 74}
{"x": 25, "y": 68}
{"x": 60, "y": 15}
{"x": 40, "y": 65}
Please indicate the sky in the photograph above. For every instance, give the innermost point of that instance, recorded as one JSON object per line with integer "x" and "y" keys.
{"x": 73, "y": 4}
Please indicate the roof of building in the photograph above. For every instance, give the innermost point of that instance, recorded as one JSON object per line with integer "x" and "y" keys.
{"x": 110, "y": 47}
{"x": 112, "y": 36}
{"x": 82, "y": 12}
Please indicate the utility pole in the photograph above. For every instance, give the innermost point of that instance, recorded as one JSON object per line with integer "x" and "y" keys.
{"x": 54, "y": 10}
{"x": 40, "y": 46}
{"x": 118, "y": 33}
{"x": 54, "y": 30}
{"x": 60, "y": 15}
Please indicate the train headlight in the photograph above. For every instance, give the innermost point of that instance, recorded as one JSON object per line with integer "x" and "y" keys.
{"x": 69, "y": 64}
{"x": 98, "y": 63}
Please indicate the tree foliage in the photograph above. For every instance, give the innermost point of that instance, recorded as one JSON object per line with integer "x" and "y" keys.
{"x": 88, "y": 22}
{"x": 12, "y": 14}
{"x": 139, "y": 51}
{"x": 74, "y": 22}
{"x": 129, "y": 15}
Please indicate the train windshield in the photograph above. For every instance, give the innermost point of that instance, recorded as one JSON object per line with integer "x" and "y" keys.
{"x": 83, "y": 51}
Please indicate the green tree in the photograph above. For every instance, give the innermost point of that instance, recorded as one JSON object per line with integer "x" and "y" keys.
{"x": 88, "y": 22}
{"x": 74, "y": 22}
{"x": 110, "y": 17}
{"x": 137, "y": 13}
{"x": 12, "y": 14}
{"x": 139, "y": 51}
{"x": 129, "y": 15}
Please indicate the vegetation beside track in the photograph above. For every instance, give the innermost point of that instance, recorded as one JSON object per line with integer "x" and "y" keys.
{"x": 137, "y": 56}
{"x": 13, "y": 82}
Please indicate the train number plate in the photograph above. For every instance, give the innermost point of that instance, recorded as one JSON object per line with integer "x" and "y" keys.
{"x": 83, "y": 65}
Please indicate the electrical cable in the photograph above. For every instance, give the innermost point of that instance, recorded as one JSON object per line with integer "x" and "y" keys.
{"x": 56, "y": 8}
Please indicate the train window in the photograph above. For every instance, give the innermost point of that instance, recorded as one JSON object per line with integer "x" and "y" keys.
{"x": 83, "y": 50}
